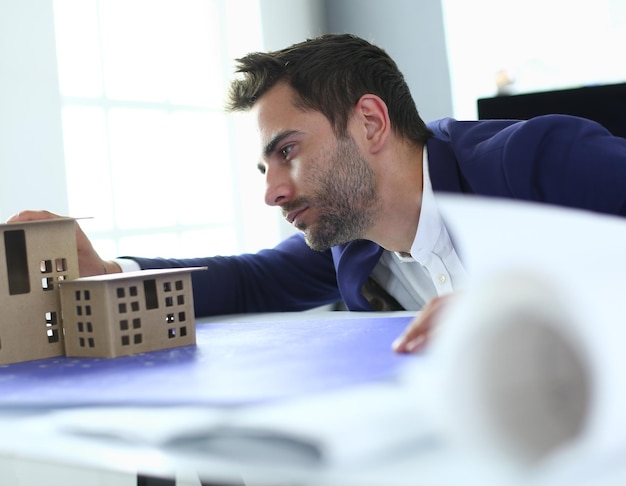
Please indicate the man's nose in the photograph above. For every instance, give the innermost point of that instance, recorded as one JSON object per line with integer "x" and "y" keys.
{"x": 279, "y": 186}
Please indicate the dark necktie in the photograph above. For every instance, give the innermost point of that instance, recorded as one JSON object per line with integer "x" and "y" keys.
{"x": 378, "y": 297}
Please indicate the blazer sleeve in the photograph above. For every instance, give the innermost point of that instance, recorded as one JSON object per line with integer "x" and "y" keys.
{"x": 575, "y": 163}
{"x": 557, "y": 159}
{"x": 288, "y": 277}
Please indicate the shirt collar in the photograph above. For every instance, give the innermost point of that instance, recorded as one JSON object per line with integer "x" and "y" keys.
{"x": 430, "y": 224}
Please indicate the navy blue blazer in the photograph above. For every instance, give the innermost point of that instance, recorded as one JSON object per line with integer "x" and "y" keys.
{"x": 553, "y": 159}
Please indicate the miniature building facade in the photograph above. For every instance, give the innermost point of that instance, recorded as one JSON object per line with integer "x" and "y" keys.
{"x": 128, "y": 313}
{"x": 35, "y": 257}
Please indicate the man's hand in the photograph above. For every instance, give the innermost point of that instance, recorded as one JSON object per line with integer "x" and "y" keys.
{"x": 89, "y": 262}
{"x": 416, "y": 335}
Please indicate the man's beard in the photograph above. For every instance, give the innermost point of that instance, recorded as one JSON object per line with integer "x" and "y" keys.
{"x": 346, "y": 199}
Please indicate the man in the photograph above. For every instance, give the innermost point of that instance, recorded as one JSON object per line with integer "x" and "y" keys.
{"x": 351, "y": 164}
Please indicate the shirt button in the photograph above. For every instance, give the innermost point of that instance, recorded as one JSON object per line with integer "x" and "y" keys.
{"x": 442, "y": 278}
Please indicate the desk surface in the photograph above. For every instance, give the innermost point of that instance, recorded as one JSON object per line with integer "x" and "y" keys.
{"x": 114, "y": 414}
{"x": 55, "y": 409}
{"x": 234, "y": 363}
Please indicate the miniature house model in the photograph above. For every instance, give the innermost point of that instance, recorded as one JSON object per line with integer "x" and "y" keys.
{"x": 34, "y": 258}
{"x": 128, "y": 313}
{"x": 48, "y": 311}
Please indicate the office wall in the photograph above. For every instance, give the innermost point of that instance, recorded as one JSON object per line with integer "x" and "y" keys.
{"x": 285, "y": 22}
{"x": 412, "y": 32}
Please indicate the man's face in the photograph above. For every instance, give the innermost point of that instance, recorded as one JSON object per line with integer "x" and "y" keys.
{"x": 323, "y": 185}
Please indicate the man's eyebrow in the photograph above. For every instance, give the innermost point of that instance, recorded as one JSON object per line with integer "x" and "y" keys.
{"x": 271, "y": 145}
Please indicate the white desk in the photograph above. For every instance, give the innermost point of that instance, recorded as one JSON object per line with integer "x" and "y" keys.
{"x": 374, "y": 409}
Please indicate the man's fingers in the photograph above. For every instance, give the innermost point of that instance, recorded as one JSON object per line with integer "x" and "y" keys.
{"x": 30, "y": 215}
{"x": 416, "y": 335}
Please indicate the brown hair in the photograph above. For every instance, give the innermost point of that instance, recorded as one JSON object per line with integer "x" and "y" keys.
{"x": 329, "y": 74}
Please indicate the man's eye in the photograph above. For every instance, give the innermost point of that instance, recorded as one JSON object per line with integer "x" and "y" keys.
{"x": 285, "y": 151}
{"x": 261, "y": 168}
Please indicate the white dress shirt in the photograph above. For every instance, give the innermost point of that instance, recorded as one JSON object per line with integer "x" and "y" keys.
{"x": 127, "y": 264}
{"x": 433, "y": 267}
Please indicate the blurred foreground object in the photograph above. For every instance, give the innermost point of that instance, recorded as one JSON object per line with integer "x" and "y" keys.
{"x": 527, "y": 363}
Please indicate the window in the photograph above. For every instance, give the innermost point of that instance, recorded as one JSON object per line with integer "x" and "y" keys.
{"x": 151, "y": 159}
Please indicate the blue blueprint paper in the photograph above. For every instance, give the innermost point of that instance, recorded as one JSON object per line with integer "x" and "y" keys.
{"x": 233, "y": 363}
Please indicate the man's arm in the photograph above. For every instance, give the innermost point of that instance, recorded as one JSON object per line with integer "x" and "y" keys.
{"x": 288, "y": 277}
{"x": 569, "y": 162}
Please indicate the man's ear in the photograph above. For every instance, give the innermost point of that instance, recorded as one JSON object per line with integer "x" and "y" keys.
{"x": 372, "y": 115}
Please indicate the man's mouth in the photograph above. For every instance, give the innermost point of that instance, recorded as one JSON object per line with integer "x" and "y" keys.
{"x": 294, "y": 216}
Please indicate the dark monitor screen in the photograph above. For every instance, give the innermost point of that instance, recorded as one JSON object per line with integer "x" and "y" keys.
{"x": 605, "y": 104}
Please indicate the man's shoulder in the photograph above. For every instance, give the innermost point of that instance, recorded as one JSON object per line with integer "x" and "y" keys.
{"x": 447, "y": 128}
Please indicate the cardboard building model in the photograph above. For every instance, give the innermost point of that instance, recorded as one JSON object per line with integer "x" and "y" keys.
{"x": 48, "y": 311}
{"x": 128, "y": 313}
{"x": 34, "y": 258}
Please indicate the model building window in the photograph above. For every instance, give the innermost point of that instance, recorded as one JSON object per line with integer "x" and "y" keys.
{"x": 150, "y": 294}
{"x": 171, "y": 332}
{"x": 17, "y": 262}
{"x": 53, "y": 335}
{"x": 52, "y": 329}
{"x": 80, "y": 295}
{"x": 61, "y": 264}
{"x": 90, "y": 342}
{"x": 45, "y": 266}
{"x": 84, "y": 326}
{"x": 137, "y": 339}
{"x": 51, "y": 319}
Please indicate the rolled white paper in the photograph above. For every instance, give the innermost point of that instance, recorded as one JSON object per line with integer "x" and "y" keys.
{"x": 530, "y": 357}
